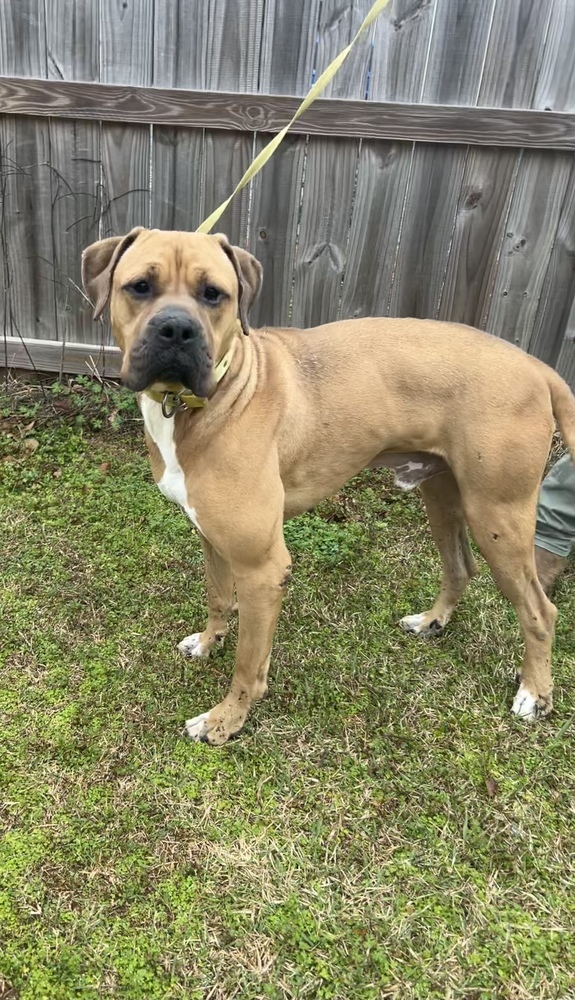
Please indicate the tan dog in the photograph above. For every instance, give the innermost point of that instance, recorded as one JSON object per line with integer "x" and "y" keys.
{"x": 291, "y": 415}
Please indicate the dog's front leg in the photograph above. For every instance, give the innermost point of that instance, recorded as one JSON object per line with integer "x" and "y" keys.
{"x": 220, "y": 584}
{"x": 260, "y": 589}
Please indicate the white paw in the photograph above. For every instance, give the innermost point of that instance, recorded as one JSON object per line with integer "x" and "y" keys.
{"x": 525, "y": 705}
{"x": 417, "y": 625}
{"x": 412, "y": 623}
{"x": 192, "y": 646}
{"x": 197, "y": 728}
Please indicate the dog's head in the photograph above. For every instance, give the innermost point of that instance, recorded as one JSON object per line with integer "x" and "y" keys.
{"x": 176, "y": 302}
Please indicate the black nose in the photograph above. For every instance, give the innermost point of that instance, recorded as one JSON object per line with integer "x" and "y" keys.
{"x": 174, "y": 327}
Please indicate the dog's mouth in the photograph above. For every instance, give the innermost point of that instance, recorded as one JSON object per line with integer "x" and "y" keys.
{"x": 194, "y": 374}
{"x": 170, "y": 352}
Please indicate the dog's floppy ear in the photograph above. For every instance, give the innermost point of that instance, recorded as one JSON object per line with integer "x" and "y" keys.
{"x": 249, "y": 272}
{"x": 98, "y": 265}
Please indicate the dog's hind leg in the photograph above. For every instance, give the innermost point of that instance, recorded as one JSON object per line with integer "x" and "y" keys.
{"x": 448, "y": 526}
{"x": 220, "y": 583}
{"x": 505, "y": 534}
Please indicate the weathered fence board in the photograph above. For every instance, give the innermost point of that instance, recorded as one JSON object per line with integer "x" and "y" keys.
{"x": 324, "y": 231}
{"x": 338, "y": 22}
{"x": 74, "y": 164}
{"x": 514, "y": 53}
{"x": 383, "y": 174}
{"x": 27, "y": 222}
{"x": 177, "y": 167}
{"x": 330, "y": 177}
{"x": 401, "y": 45}
{"x": 288, "y": 46}
{"x": 277, "y": 190}
{"x": 528, "y": 242}
{"x": 223, "y": 54}
{"x": 434, "y": 180}
{"x": 274, "y": 230}
{"x": 476, "y": 235}
{"x": 457, "y": 50}
{"x": 126, "y": 34}
{"x": 430, "y": 210}
{"x": 403, "y": 28}
{"x": 48, "y": 356}
{"x": 558, "y": 292}
{"x": 555, "y": 88}
{"x": 27, "y": 229}
{"x": 265, "y": 113}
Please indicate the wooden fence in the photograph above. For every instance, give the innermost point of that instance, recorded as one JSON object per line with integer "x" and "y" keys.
{"x": 436, "y": 179}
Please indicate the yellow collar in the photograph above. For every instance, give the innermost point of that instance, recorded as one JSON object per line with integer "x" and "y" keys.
{"x": 172, "y": 400}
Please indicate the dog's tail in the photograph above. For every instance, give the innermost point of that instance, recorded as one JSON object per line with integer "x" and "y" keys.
{"x": 563, "y": 404}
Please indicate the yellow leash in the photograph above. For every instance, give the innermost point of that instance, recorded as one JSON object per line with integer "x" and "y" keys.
{"x": 318, "y": 88}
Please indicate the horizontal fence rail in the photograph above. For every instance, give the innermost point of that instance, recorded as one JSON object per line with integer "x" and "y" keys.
{"x": 476, "y": 126}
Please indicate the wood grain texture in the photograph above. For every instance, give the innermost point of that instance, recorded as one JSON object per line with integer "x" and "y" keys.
{"x": 529, "y": 236}
{"x": 339, "y": 21}
{"x": 507, "y": 127}
{"x": 431, "y": 178}
{"x": 457, "y": 48}
{"x": 75, "y": 222}
{"x": 402, "y": 30}
{"x": 455, "y": 72}
{"x": 482, "y": 208}
{"x": 226, "y": 158}
{"x": 176, "y": 153}
{"x": 125, "y": 154}
{"x": 28, "y": 229}
{"x": 27, "y": 273}
{"x": 330, "y": 176}
{"x": 22, "y": 39}
{"x": 72, "y": 42}
{"x": 383, "y": 175}
{"x": 514, "y": 53}
{"x": 515, "y": 59}
{"x": 126, "y": 34}
{"x": 228, "y": 44}
{"x": 177, "y": 178}
{"x": 555, "y": 88}
{"x": 274, "y": 229}
{"x": 557, "y": 297}
{"x": 212, "y": 45}
{"x": 401, "y": 42}
{"x": 288, "y": 46}
{"x": 426, "y": 231}
{"x": 324, "y": 231}
{"x": 277, "y": 190}
{"x": 67, "y": 357}
{"x": 126, "y": 37}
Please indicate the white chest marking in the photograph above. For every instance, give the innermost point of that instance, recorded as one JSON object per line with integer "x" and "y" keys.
{"x": 161, "y": 430}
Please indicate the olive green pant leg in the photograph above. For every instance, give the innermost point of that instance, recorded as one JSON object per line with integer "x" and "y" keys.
{"x": 555, "y": 529}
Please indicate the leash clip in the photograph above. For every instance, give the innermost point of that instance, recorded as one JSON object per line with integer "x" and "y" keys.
{"x": 177, "y": 404}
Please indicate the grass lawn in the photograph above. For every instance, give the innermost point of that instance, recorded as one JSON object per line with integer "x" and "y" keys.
{"x": 382, "y": 828}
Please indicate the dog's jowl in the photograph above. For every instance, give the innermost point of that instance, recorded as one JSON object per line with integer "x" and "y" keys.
{"x": 247, "y": 428}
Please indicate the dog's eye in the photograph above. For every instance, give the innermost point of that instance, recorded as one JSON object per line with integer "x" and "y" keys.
{"x": 140, "y": 288}
{"x": 212, "y": 295}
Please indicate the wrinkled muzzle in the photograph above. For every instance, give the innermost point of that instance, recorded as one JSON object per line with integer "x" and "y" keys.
{"x": 171, "y": 348}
